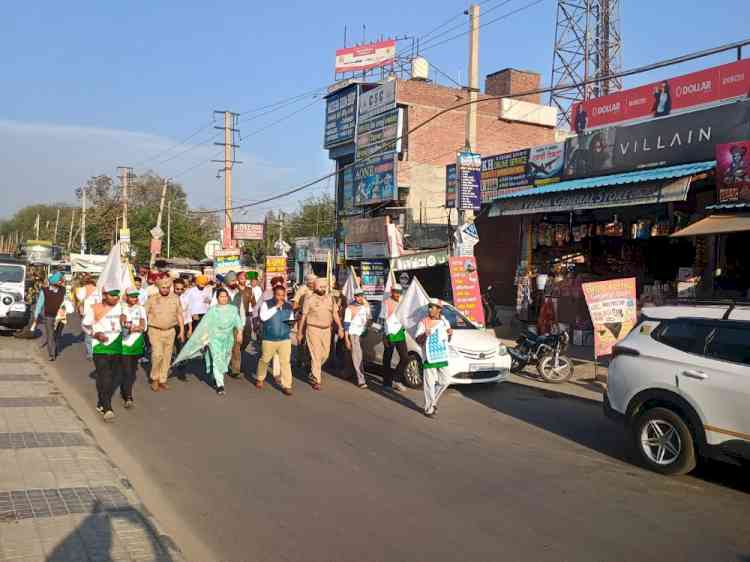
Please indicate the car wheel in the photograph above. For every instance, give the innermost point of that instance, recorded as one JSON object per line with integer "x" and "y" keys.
{"x": 555, "y": 373}
{"x": 516, "y": 365}
{"x": 663, "y": 442}
{"x": 413, "y": 372}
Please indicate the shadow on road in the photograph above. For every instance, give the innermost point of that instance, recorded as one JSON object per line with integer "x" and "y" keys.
{"x": 583, "y": 422}
{"x": 94, "y": 539}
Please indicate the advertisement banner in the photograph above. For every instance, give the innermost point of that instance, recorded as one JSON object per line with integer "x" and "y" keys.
{"x": 347, "y": 190}
{"x": 421, "y": 260}
{"x": 465, "y": 284}
{"x": 545, "y": 164}
{"x": 248, "y": 230}
{"x": 372, "y": 277}
{"x": 275, "y": 267}
{"x": 612, "y": 308}
{"x": 365, "y": 57}
{"x": 679, "y": 94}
{"x": 226, "y": 261}
{"x": 504, "y": 173}
{"x": 341, "y": 117}
{"x": 375, "y": 180}
{"x": 733, "y": 172}
{"x": 468, "y": 176}
{"x": 681, "y": 139}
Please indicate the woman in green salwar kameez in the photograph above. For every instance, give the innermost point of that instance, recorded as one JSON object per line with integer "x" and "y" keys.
{"x": 218, "y": 330}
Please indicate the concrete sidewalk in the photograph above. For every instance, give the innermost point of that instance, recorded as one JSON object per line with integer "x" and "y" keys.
{"x": 61, "y": 497}
{"x": 588, "y": 382}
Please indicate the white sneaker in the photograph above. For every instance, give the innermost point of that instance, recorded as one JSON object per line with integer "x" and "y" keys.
{"x": 398, "y": 387}
{"x": 109, "y": 415}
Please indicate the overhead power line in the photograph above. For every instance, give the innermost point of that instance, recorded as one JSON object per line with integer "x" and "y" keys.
{"x": 630, "y": 72}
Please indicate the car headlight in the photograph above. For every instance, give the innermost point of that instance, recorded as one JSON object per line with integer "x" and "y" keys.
{"x": 502, "y": 350}
{"x": 7, "y": 300}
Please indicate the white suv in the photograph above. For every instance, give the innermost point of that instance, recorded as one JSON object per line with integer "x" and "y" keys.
{"x": 680, "y": 381}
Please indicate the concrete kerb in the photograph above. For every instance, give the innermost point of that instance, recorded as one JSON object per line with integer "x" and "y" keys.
{"x": 162, "y": 538}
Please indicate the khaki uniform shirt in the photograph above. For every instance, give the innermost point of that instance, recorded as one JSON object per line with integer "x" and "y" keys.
{"x": 162, "y": 311}
{"x": 318, "y": 309}
{"x": 302, "y": 293}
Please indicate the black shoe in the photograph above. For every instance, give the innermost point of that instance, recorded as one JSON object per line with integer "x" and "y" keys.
{"x": 220, "y": 391}
{"x": 235, "y": 375}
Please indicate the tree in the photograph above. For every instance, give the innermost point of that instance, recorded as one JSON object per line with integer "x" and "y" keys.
{"x": 24, "y": 222}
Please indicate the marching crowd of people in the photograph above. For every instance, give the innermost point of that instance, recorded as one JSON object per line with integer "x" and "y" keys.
{"x": 165, "y": 320}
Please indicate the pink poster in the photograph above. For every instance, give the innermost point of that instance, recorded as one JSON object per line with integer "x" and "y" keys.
{"x": 465, "y": 283}
{"x": 733, "y": 171}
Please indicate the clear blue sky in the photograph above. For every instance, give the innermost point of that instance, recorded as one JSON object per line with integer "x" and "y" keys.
{"x": 89, "y": 85}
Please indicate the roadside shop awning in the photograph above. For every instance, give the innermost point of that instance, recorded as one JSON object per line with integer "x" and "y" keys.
{"x": 641, "y": 187}
{"x": 716, "y": 224}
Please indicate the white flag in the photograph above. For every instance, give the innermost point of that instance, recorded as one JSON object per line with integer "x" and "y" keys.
{"x": 412, "y": 307}
{"x": 351, "y": 283}
{"x": 115, "y": 274}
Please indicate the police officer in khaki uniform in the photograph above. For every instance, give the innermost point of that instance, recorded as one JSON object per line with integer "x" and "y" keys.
{"x": 319, "y": 313}
{"x": 164, "y": 314}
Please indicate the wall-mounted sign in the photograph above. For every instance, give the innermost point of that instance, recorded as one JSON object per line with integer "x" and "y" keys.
{"x": 365, "y": 57}
{"x": 366, "y": 251}
{"x": 341, "y": 117}
{"x": 248, "y": 230}
{"x": 733, "y": 171}
{"x": 366, "y": 230}
{"x": 451, "y": 186}
{"x": 503, "y": 173}
{"x": 372, "y": 276}
{"x": 375, "y": 180}
{"x": 421, "y": 260}
{"x": 682, "y": 93}
{"x": 377, "y": 100}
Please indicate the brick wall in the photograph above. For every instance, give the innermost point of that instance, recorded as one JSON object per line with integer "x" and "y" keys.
{"x": 511, "y": 81}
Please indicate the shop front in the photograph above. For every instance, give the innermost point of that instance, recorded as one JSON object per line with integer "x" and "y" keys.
{"x": 606, "y": 227}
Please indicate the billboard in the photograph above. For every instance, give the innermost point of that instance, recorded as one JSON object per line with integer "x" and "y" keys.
{"x": 226, "y": 261}
{"x": 679, "y": 94}
{"x": 373, "y": 274}
{"x": 359, "y": 231}
{"x": 377, "y": 133}
{"x": 375, "y": 180}
{"x": 733, "y": 172}
{"x": 451, "y": 186}
{"x": 365, "y": 57}
{"x": 545, "y": 163}
{"x": 248, "y": 230}
{"x": 275, "y": 267}
{"x": 341, "y": 117}
{"x": 503, "y": 173}
{"x": 612, "y": 308}
{"x": 679, "y": 139}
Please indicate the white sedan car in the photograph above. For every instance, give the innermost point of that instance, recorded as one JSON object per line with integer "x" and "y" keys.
{"x": 476, "y": 355}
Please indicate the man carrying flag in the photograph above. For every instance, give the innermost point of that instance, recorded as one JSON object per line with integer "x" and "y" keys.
{"x": 433, "y": 333}
{"x": 394, "y": 336}
{"x": 356, "y": 317}
{"x": 103, "y": 323}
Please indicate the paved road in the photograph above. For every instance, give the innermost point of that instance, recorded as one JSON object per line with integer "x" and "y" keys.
{"x": 504, "y": 473}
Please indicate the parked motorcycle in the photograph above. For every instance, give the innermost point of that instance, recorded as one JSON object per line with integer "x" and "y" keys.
{"x": 546, "y": 352}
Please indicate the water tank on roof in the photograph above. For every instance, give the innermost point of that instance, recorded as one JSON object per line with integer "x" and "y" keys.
{"x": 420, "y": 68}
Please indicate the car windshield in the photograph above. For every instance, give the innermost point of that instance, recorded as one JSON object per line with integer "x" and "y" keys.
{"x": 11, "y": 273}
{"x": 457, "y": 320}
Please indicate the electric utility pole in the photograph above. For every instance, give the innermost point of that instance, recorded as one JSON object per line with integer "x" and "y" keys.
{"x": 57, "y": 220}
{"x": 70, "y": 234}
{"x": 83, "y": 221}
{"x": 169, "y": 229}
{"x": 470, "y": 144}
{"x": 230, "y": 144}
{"x": 157, "y": 232}
{"x": 126, "y": 172}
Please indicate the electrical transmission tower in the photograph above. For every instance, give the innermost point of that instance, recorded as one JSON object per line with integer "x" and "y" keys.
{"x": 587, "y": 46}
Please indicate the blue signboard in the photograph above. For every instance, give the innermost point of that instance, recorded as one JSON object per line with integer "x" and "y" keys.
{"x": 341, "y": 117}
{"x": 469, "y": 179}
